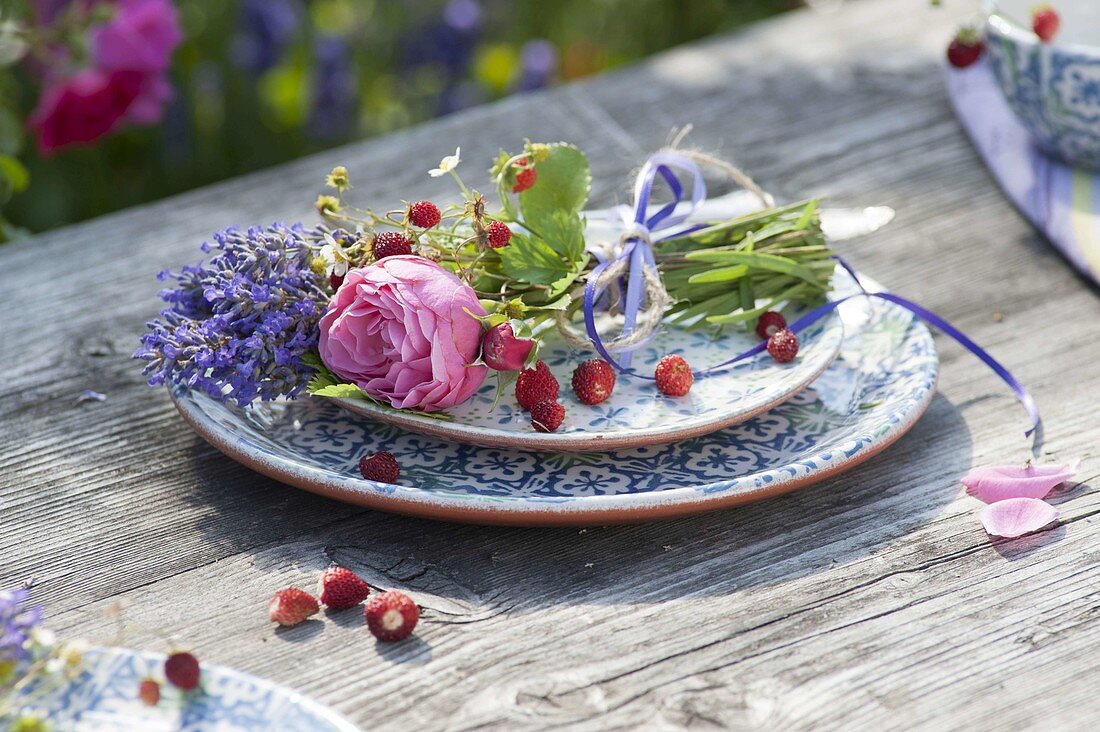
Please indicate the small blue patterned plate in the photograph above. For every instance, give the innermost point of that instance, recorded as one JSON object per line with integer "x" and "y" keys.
{"x": 104, "y": 699}
{"x": 867, "y": 398}
{"x": 637, "y": 414}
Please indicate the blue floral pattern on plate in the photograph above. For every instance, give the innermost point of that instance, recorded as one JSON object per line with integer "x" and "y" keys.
{"x": 104, "y": 699}
{"x": 872, "y": 393}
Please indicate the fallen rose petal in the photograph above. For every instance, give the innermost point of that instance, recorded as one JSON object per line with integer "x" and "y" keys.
{"x": 1001, "y": 482}
{"x": 1017, "y": 516}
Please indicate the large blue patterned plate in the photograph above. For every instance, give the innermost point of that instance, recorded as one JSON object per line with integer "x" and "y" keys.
{"x": 104, "y": 699}
{"x": 867, "y": 398}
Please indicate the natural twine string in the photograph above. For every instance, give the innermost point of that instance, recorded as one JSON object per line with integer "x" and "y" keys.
{"x": 657, "y": 298}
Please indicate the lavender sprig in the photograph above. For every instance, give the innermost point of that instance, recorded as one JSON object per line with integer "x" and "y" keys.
{"x": 17, "y": 619}
{"x": 237, "y": 326}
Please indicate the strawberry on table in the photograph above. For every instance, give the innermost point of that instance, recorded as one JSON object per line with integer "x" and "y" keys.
{"x": 340, "y": 588}
{"x": 291, "y": 606}
{"x": 391, "y": 616}
{"x": 965, "y": 48}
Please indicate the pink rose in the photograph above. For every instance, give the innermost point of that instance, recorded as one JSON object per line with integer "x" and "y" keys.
{"x": 140, "y": 37}
{"x": 83, "y": 107}
{"x": 399, "y": 329}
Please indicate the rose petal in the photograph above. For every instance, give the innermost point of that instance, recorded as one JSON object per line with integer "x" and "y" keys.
{"x": 1000, "y": 482}
{"x": 1017, "y": 516}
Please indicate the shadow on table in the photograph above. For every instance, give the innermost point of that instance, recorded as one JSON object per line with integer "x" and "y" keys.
{"x": 470, "y": 572}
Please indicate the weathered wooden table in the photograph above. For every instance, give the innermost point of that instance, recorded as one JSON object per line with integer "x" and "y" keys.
{"x": 871, "y": 601}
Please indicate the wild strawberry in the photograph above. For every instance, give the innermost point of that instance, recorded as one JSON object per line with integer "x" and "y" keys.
{"x": 291, "y": 606}
{"x": 182, "y": 671}
{"x": 525, "y": 176}
{"x": 536, "y": 385}
{"x": 783, "y": 346}
{"x": 391, "y": 616}
{"x": 673, "y": 375}
{"x": 499, "y": 234}
{"x": 424, "y": 214}
{"x": 593, "y": 381}
{"x": 380, "y": 466}
{"x": 335, "y": 281}
{"x": 340, "y": 588}
{"x": 965, "y": 48}
{"x": 149, "y": 692}
{"x": 547, "y": 416}
{"x": 1045, "y": 21}
{"x": 389, "y": 244}
{"x": 769, "y": 323}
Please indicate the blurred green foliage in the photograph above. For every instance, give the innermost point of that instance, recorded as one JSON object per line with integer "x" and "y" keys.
{"x": 259, "y": 82}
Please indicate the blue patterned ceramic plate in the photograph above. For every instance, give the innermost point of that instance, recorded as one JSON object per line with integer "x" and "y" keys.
{"x": 868, "y": 397}
{"x": 104, "y": 699}
{"x": 637, "y": 414}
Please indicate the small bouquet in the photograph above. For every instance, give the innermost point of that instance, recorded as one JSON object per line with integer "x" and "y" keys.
{"x": 33, "y": 663}
{"x": 413, "y": 307}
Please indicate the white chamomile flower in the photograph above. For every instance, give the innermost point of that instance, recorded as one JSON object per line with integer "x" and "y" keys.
{"x": 447, "y": 164}
{"x": 336, "y": 260}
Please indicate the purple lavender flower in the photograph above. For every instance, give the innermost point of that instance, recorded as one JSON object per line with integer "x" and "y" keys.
{"x": 267, "y": 30}
{"x": 335, "y": 99}
{"x": 17, "y": 618}
{"x": 236, "y": 327}
{"x": 539, "y": 60}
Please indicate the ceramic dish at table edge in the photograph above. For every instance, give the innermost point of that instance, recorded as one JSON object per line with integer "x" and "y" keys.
{"x": 104, "y": 699}
{"x": 868, "y": 398}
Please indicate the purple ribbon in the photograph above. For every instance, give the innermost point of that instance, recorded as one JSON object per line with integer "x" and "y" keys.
{"x": 642, "y": 232}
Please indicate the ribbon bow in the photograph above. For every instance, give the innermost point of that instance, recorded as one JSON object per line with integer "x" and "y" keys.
{"x": 635, "y": 253}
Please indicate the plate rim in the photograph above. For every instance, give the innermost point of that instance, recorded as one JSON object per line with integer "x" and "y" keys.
{"x": 584, "y": 510}
{"x": 322, "y": 711}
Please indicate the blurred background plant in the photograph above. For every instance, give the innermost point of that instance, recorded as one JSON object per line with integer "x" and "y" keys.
{"x": 126, "y": 101}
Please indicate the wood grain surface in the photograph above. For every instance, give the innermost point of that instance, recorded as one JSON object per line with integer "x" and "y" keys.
{"x": 872, "y": 601}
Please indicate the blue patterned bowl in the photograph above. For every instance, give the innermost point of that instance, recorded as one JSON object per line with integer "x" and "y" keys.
{"x": 1054, "y": 88}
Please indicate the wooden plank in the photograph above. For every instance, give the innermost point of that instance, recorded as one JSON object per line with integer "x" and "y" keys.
{"x": 873, "y": 601}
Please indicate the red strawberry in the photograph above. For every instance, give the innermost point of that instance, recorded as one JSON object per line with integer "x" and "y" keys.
{"x": 340, "y": 588}
{"x": 391, "y": 616}
{"x": 390, "y": 244}
{"x": 499, "y": 234}
{"x": 1045, "y": 21}
{"x": 182, "y": 671}
{"x": 593, "y": 381}
{"x": 380, "y": 466}
{"x": 291, "y": 606}
{"x": 547, "y": 416}
{"x": 525, "y": 177}
{"x": 674, "y": 375}
{"x": 149, "y": 692}
{"x": 783, "y": 346}
{"x": 769, "y": 323}
{"x": 536, "y": 385}
{"x": 424, "y": 214}
{"x": 965, "y": 48}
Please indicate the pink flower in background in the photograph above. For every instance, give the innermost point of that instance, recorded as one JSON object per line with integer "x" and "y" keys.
{"x": 140, "y": 37}
{"x": 83, "y": 107}
{"x": 400, "y": 330}
{"x": 128, "y": 79}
